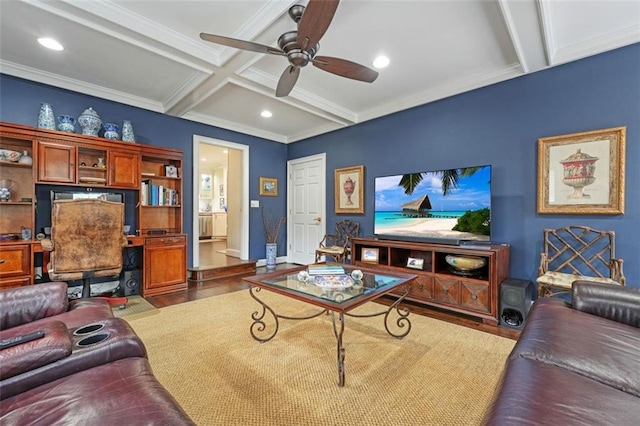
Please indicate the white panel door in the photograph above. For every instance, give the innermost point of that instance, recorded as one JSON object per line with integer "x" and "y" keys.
{"x": 307, "y": 207}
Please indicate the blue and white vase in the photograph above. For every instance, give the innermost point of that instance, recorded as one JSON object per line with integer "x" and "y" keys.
{"x": 66, "y": 123}
{"x": 90, "y": 122}
{"x": 46, "y": 119}
{"x": 127, "y": 132}
{"x": 111, "y": 131}
{"x": 272, "y": 249}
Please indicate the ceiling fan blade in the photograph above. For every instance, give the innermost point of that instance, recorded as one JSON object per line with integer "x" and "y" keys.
{"x": 345, "y": 68}
{"x": 287, "y": 81}
{"x": 240, "y": 44}
{"x": 315, "y": 20}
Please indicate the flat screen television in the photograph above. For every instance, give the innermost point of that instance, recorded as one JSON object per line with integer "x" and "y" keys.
{"x": 116, "y": 197}
{"x": 446, "y": 206}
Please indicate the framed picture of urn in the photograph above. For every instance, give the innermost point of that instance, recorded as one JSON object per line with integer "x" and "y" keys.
{"x": 349, "y": 190}
{"x": 582, "y": 173}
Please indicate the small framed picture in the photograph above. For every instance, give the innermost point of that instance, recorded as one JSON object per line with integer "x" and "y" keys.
{"x": 269, "y": 186}
{"x": 415, "y": 263}
{"x": 370, "y": 254}
{"x": 171, "y": 171}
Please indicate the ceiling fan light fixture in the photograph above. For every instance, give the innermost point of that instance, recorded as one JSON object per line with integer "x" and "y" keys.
{"x": 381, "y": 61}
{"x": 50, "y": 43}
{"x": 266, "y": 114}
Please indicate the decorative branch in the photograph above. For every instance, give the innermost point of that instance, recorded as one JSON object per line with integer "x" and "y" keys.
{"x": 271, "y": 226}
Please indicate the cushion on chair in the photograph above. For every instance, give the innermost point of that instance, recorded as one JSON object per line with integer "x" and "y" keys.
{"x": 562, "y": 280}
{"x": 332, "y": 250}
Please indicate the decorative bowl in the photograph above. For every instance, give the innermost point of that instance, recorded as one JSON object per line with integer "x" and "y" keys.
{"x": 10, "y": 155}
{"x": 465, "y": 263}
{"x": 66, "y": 123}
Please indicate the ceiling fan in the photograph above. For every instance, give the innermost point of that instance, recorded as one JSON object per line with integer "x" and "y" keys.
{"x": 301, "y": 46}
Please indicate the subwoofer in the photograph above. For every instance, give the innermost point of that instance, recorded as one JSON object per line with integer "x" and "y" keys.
{"x": 130, "y": 282}
{"x": 516, "y": 297}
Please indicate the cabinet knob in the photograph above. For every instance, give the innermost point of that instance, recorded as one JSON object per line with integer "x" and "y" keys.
{"x": 474, "y": 297}
{"x": 445, "y": 291}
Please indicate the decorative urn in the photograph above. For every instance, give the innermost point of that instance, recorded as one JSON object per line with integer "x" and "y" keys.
{"x": 579, "y": 171}
{"x": 349, "y": 186}
{"x": 90, "y": 122}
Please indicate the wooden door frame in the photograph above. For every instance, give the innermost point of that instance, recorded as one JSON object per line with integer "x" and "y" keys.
{"x": 244, "y": 229}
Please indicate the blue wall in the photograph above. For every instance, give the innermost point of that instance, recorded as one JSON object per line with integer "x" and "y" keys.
{"x": 500, "y": 125}
{"x": 20, "y": 103}
{"x": 497, "y": 125}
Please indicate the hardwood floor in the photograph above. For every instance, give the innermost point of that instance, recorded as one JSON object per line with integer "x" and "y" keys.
{"x": 227, "y": 285}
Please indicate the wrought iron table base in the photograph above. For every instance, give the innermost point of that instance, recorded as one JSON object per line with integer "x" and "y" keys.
{"x": 259, "y": 325}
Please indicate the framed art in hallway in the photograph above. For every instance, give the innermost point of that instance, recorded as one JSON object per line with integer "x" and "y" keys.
{"x": 582, "y": 173}
{"x": 349, "y": 190}
{"x": 269, "y": 186}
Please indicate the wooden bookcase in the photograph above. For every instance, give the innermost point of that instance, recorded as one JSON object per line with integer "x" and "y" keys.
{"x": 19, "y": 212}
{"x": 437, "y": 283}
{"x": 74, "y": 160}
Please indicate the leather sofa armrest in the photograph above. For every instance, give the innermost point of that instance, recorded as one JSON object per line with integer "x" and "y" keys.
{"x": 19, "y": 359}
{"x": 617, "y": 303}
{"x": 30, "y": 303}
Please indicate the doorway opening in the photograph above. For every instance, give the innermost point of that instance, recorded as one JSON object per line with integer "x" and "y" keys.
{"x": 220, "y": 194}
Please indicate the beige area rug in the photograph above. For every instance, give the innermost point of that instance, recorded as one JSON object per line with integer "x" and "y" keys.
{"x": 137, "y": 307}
{"x": 202, "y": 352}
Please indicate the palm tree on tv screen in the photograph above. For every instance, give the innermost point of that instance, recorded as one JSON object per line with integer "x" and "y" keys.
{"x": 449, "y": 179}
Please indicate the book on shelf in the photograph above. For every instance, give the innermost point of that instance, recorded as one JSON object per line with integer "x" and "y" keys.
{"x": 325, "y": 269}
{"x": 152, "y": 194}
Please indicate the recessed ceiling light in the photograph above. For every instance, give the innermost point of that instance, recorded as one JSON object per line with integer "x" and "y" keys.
{"x": 50, "y": 43}
{"x": 381, "y": 61}
{"x": 203, "y": 159}
{"x": 266, "y": 114}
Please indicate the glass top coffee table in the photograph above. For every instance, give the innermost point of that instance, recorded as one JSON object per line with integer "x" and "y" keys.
{"x": 335, "y": 295}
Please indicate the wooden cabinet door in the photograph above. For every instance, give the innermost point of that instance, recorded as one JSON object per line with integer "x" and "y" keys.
{"x": 475, "y": 296}
{"x": 165, "y": 264}
{"x": 124, "y": 169}
{"x": 446, "y": 291}
{"x": 15, "y": 265}
{"x": 56, "y": 163}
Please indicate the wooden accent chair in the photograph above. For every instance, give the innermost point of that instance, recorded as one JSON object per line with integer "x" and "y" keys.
{"x": 577, "y": 253}
{"x": 86, "y": 242}
{"x": 338, "y": 245}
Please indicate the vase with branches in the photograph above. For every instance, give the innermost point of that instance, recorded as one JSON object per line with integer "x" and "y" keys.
{"x": 272, "y": 227}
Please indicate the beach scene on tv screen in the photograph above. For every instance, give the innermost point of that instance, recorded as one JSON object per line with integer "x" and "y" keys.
{"x": 448, "y": 204}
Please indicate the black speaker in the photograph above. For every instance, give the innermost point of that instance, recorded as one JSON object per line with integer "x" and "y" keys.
{"x": 130, "y": 282}
{"x": 516, "y": 297}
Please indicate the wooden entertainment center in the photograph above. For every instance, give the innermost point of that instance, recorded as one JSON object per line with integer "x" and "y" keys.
{"x": 438, "y": 284}
{"x": 95, "y": 164}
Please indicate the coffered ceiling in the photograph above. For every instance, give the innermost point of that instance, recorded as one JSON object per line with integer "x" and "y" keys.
{"x": 149, "y": 54}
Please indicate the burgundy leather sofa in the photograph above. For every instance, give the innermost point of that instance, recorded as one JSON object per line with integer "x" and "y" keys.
{"x": 575, "y": 363}
{"x": 89, "y": 368}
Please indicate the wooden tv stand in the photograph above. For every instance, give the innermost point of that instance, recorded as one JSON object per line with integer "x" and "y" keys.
{"x": 437, "y": 285}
